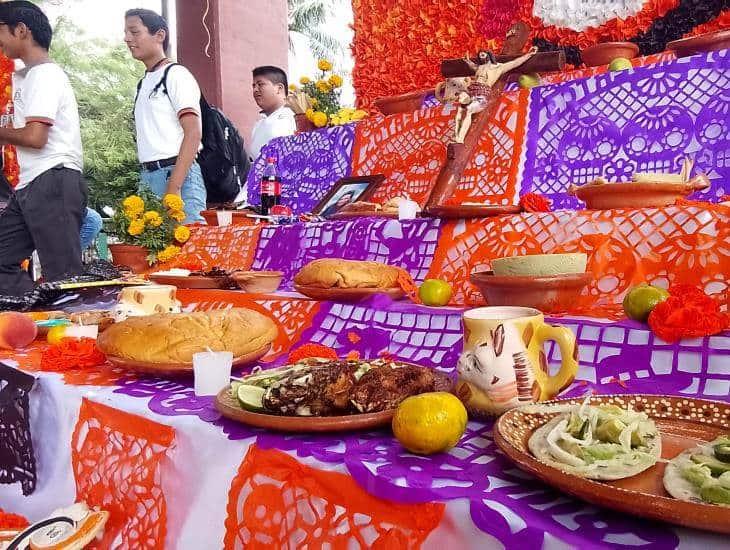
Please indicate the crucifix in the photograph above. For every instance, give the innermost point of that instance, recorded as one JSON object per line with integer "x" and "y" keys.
{"x": 482, "y": 80}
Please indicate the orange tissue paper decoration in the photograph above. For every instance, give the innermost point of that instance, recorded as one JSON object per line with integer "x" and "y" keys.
{"x": 405, "y": 281}
{"x": 72, "y": 353}
{"x": 687, "y": 313}
{"x": 10, "y": 521}
{"x": 533, "y": 202}
{"x": 312, "y": 350}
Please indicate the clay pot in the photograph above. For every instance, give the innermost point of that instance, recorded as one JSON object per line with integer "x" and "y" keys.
{"x": 303, "y": 123}
{"x": 258, "y": 282}
{"x": 556, "y": 293}
{"x": 404, "y": 103}
{"x": 130, "y": 255}
{"x": 708, "y": 42}
{"x": 603, "y": 54}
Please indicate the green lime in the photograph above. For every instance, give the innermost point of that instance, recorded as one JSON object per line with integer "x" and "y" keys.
{"x": 435, "y": 292}
{"x": 251, "y": 398}
{"x": 529, "y": 80}
{"x": 619, "y": 64}
{"x": 641, "y": 300}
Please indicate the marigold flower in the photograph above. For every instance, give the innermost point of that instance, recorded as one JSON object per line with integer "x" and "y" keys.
{"x": 168, "y": 253}
{"x": 319, "y": 119}
{"x": 173, "y": 202}
{"x": 182, "y": 234}
{"x": 335, "y": 81}
{"x": 304, "y": 80}
{"x": 136, "y": 227}
{"x": 324, "y": 65}
{"x": 177, "y": 215}
{"x": 310, "y": 115}
{"x": 323, "y": 86}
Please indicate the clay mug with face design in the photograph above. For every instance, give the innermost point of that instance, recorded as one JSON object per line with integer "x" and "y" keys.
{"x": 503, "y": 364}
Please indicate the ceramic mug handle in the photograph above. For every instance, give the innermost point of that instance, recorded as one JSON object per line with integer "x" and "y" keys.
{"x": 568, "y": 352}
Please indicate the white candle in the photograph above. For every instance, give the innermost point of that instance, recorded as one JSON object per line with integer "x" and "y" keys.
{"x": 225, "y": 217}
{"x": 212, "y": 371}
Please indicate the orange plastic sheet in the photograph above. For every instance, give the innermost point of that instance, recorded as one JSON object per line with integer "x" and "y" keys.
{"x": 676, "y": 244}
{"x": 292, "y": 316}
{"x": 491, "y": 177}
{"x": 277, "y": 502}
{"x": 116, "y": 462}
{"x": 408, "y": 148}
{"x": 227, "y": 247}
{"x": 29, "y": 360}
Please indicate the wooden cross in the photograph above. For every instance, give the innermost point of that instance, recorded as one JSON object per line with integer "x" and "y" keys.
{"x": 459, "y": 154}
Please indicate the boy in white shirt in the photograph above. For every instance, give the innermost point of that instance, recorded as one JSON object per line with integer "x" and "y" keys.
{"x": 166, "y": 114}
{"x": 270, "y": 89}
{"x": 46, "y": 210}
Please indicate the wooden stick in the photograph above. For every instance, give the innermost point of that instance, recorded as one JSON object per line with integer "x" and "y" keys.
{"x": 541, "y": 62}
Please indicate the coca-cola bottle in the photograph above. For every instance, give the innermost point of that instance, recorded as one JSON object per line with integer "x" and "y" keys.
{"x": 270, "y": 187}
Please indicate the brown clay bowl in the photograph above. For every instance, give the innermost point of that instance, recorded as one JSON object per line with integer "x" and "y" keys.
{"x": 347, "y": 294}
{"x": 258, "y": 282}
{"x": 603, "y": 54}
{"x": 711, "y": 41}
{"x": 607, "y": 196}
{"x": 551, "y": 294}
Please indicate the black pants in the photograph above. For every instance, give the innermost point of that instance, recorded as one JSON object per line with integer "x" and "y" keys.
{"x": 45, "y": 216}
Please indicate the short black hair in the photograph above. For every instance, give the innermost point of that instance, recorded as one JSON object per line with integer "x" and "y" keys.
{"x": 21, "y": 11}
{"x": 153, "y": 21}
{"x": 275, "y": 74}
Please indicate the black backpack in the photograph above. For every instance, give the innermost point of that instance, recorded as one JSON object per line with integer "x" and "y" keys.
{"x": 223, "y": 160}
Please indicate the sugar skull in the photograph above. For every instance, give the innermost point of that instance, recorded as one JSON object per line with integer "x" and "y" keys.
{"x": 587, "y": 147}
{"x": 657, "y": 139}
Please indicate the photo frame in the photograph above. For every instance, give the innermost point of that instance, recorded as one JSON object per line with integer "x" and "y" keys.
{"x": 346, "y": 191}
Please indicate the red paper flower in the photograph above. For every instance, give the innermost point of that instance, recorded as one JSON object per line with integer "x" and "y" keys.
{"x": 10, "y": 521}
{"x": 312, "y": 350}
{"x": 532, "y": 202}
{"x": 72, "y": 353}
{"x": 687, "y": 313}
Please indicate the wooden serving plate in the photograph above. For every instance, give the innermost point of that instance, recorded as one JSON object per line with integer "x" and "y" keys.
{"x": 471, "y": 211}
{"x": 347, "y": 294}
{"x": 711, "y": 41}
{"x": 606, "y": 196}
{"x": 181, "y": 369}
{"x": 683, "y": 422}
{"x": 229, "y": 407}
{"x": 190, "y": 282}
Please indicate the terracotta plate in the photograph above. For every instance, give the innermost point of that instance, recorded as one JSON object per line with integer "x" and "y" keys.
{"x": 181, "y": 369}
{"x": 229, "y": 407}
{"x": 636, "y": 194}
{"x": 472, "y": 211}
{"x": 347, "y": 294}
{"x": 707, "y": 42}
{"x": 191, "y": 281}
{"x": 682, "y": 422}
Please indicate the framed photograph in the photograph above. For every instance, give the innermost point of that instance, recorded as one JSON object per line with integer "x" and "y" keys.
{"x": 346, "y": 191}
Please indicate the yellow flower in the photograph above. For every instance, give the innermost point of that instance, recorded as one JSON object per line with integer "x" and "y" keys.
{"x": 182, "y": 234}
{"x": 136, "y": 227}
{"x": 324, "y": 65}
{"x": 168, "y": 253}
{"x": 133, "y": 206}
{"x": 153, "y": 218}
{"x": 323, "y": 86}
{"x": 335, "y": 81}
{"x": 314, "y": 102}
{"x": 173, "y": 202}
{"x": 335, "y": 120}
{"x": 319, "y": 119}
{"x": 309, "y": 114}
{"x": 359, "y": 114}
{"x": 292, "y": 87}
{"x": 304, "y": 80}
{"x": 177, "y": 215}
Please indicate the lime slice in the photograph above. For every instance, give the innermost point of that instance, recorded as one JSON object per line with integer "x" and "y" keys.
{"x": 251, "y": 398}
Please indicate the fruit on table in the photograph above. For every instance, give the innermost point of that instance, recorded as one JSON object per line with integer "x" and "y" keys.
{"x": 56, "y": 334}
{"x": 641, "y": 300}
{"x": 619, "y": 64}
{"x": 251, "y": 398}
{"x": 17, "y": 330}
{"x": 430, "y": 422}
{"x": 435, "y": 292}
{"x": 529, "y": 80}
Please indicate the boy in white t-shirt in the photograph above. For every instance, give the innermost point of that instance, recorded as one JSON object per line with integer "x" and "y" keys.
{"x": 46, "y": 210}
{"x": 167, "y": 115}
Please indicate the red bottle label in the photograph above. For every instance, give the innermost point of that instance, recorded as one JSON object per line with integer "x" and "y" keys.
{"x": 270, "y": 187}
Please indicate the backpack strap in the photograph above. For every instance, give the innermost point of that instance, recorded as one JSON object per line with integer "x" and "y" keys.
{"x": 161, "y": 84}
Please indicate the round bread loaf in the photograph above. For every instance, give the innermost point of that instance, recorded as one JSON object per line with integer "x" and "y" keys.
{"x": 337, "y": 273}
{"x": 175, "y": 337}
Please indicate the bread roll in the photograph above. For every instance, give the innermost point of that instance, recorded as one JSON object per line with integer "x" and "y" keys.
{"x": 336, "y": 273}
{"x": 175, "y": 337}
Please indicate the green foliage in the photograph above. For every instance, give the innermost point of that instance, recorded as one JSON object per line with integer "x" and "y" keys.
{"x": 306, "y": 18}
{"x": 104, "y": 78}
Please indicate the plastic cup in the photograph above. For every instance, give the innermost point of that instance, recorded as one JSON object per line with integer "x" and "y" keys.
{"x": 212, "y": 371}
{"x": 225, "y": 217}
{"x": 408, "y": 210}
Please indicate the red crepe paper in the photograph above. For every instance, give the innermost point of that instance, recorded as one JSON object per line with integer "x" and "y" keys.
{"x": 191, "y": 265}
{"x": 72, "y": 353}
{"x": 10, "y": 521}
{"x": 532, "y": 202}
{"x": 687, "y": 313}
{"x": 312, "y": 350}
